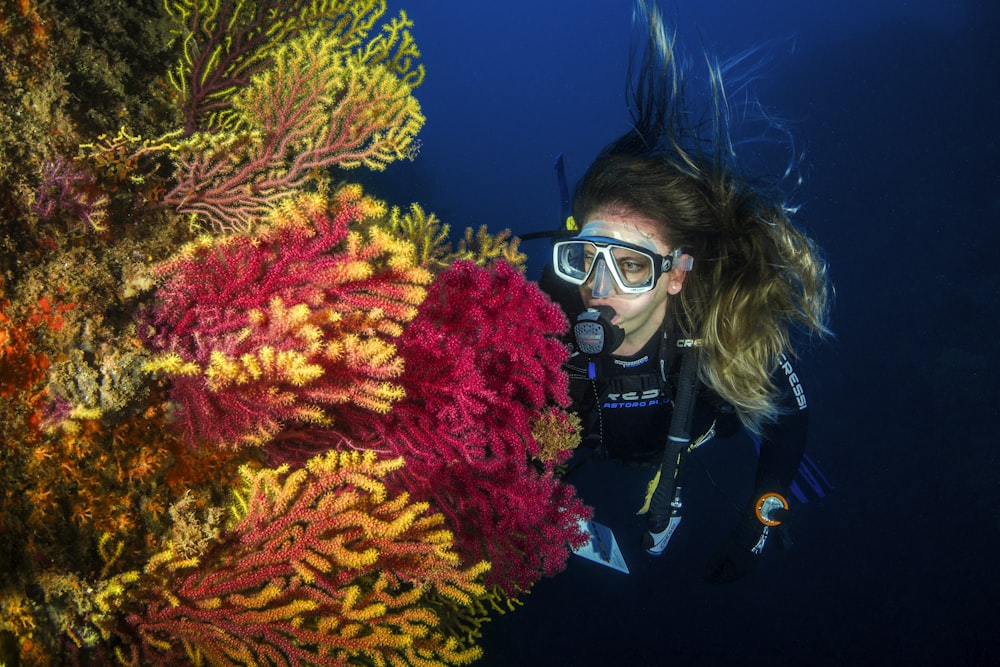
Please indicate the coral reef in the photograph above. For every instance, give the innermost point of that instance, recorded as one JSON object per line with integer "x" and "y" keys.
{"x": 251, "y": 416}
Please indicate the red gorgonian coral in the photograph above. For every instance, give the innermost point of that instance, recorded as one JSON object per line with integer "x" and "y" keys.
{"x": 290, "y": 326}
{"x": 483, "y": 365}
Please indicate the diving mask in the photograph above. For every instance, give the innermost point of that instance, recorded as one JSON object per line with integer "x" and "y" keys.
{"x": 604, "y": 253}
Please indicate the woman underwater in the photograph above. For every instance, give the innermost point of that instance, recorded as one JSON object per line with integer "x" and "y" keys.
{"x": 686, "y": 286}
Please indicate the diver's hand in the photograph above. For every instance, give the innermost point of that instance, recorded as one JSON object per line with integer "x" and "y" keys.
{"x": 742, "y": 551}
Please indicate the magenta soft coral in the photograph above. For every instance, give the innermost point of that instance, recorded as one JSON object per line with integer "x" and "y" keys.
{"x": 483, "y": 362}
{"x": 483, "y": 336}
{"x": 292, "y": 326}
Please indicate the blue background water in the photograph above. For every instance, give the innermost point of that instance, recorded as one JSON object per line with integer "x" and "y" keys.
{"x": 896, "y": 106}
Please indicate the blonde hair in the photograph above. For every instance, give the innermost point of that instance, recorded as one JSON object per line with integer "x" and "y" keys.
{"x": 760, "y": 279}
{"x": 756, "y": 278}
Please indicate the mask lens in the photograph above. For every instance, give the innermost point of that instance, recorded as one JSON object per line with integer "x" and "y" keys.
{"x": 574, "y": 260}
{"x": 634, "y": 268}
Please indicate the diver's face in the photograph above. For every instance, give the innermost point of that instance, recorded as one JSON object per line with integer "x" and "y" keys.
{"x": 639, "y": 315}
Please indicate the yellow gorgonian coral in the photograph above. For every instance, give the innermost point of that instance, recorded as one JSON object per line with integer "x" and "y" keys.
{"x": 327, "y": 558}
{"x": 434, "y": 249}
{"x": 316, "y": 99}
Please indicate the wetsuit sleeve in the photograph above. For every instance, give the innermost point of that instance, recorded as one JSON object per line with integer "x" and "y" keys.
{"x": 782, "y": 446}
{"x": 783, "y": 443}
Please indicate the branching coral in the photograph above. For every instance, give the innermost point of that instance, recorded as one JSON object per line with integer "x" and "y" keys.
{"x": 483, "y": 370}
{"x": 274, "y": 92}
{"x": 285, "y": 84}
{"x": 69, "y": 192}
{"x": 484, "y": 248}
{"x": 226, "y": 43}
{"x": 434, "y": 248}
{"x": 289, "y": 327}
{"x": 323, "y": 567}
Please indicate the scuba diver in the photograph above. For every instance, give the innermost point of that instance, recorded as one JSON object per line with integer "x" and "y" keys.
{"x": 686, "y": 285}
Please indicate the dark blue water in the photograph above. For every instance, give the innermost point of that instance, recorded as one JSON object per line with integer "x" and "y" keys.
{"x": 896, "y": 105}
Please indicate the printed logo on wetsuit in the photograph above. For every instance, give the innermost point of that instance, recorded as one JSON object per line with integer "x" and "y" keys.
{"x": 793, "y": 382}
{"x": 634, "y": 399}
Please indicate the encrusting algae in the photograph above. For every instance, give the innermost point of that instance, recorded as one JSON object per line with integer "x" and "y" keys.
{"x": 221, "y": 442}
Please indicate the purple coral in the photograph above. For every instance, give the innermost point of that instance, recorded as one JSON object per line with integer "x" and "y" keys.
{"x": 69, "y": 191}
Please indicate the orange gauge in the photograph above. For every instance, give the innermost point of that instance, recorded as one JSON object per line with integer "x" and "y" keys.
{"x": 766, "y": 506}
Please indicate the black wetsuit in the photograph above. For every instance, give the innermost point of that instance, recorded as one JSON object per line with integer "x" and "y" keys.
{"x": 623, "y": 419}
{"x": 625, "y": 405}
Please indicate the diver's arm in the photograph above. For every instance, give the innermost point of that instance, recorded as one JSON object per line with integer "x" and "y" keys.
{"x": 782, "y": 446}
{"x": 783, "y": 443}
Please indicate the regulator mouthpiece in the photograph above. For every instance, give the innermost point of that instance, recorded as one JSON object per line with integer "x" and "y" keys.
{"x": 595, "y": 334}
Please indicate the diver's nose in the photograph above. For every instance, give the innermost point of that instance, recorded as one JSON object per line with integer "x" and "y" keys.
{"x": 604, "y": 284}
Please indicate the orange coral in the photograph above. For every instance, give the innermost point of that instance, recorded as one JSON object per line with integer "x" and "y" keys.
{"x": 94, "y": 479}
{"x": 22, "y": 365}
